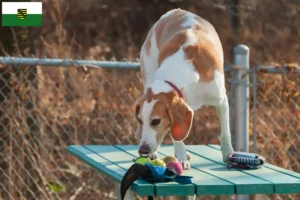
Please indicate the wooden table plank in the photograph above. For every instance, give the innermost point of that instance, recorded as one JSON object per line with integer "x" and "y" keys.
{"x": 124, "y": 161}
{"x": 108, "y": 168}
{"x": 206, "y": 184}
{"x": 274, "y": 167}
{"x": 97, "y": 162}
{"x": 163, "y": 189}
{"x": 245, "y": 183}
{"x": 282, "y": 170}
{"x": 283, "y": 183}
{"x": 211, "y": 175}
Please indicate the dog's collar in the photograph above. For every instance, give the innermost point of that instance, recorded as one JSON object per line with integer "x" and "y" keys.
{"x": 175, "y": 88}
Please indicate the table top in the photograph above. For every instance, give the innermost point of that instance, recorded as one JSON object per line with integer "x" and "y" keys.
{"x": 211, "y": 176}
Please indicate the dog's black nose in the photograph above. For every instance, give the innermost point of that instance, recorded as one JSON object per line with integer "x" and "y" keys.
{"x": 144, "y": 149}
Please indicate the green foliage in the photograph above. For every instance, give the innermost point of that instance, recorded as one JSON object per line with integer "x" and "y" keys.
{"x": 56, "y": 186}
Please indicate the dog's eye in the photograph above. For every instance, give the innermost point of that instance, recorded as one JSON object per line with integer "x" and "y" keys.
{"x": 155, "y": 122}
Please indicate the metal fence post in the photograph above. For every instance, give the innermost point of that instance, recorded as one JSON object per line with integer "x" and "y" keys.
{"x": 241, "y": 60}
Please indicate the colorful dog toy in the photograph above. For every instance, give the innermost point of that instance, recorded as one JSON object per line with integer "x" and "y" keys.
{"x": 152, "y": 174}
{"x": 167, "y": 159}
{"x": 158, "y": 162}
{"x": 142, "y": 160}
{"x": 175, "y": 166}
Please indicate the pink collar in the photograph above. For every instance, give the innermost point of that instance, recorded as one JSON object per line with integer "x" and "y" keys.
{"x": 175, "y": 88}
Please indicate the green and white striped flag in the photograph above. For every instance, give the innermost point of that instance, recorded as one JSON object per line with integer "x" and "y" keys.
{"x": 21, "y": 13}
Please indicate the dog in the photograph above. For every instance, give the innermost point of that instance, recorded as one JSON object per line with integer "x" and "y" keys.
{"x": 181, "y": 63}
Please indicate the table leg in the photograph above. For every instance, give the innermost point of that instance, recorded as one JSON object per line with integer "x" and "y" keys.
{"x": 128, "y": 193}
{"x": 188, "y": 198}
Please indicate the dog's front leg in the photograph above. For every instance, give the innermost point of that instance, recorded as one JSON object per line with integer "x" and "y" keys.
{"x": 223, "y": 113}
{"x": 181, "y": 154}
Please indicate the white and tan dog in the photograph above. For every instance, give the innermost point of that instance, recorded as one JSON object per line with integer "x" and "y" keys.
{"x": 182, "y": 69}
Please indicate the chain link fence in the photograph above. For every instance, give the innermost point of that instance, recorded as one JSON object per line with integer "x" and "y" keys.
{"x": 47, "y": 104}
{"x": 45, "y": 108}
{"x": 278, "y": 119}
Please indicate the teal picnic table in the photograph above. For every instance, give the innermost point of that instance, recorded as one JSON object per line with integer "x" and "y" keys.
{"x": 211, "y": 175}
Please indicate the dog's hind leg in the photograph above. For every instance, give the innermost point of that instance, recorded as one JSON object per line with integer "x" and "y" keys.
{"x": 223, "y": 114}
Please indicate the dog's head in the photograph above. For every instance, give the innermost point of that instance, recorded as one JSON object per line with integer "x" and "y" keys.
{"x": 158, "y": 115}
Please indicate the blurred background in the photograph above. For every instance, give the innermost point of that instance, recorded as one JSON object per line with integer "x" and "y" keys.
{"x": 44, "y": 108}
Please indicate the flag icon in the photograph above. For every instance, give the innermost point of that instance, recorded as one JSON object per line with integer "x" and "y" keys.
{"x": 21, "y": 13}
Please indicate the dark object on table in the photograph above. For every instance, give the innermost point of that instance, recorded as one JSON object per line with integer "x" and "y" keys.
{"x": 152, "y": 174}
{"x": 244, "y": 160}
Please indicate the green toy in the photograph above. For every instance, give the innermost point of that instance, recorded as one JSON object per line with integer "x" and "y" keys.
{"x": 158, "y": 162}
{"x": 142, "y": 160}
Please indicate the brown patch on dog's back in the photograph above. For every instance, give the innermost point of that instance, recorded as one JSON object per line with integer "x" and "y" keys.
{"x": 204, "y": 59}
{"x": 168, "y": 26}
{"x": 204, "y": 54}
{"x": 172, "y": 46}
{"x": 169, "y": 34}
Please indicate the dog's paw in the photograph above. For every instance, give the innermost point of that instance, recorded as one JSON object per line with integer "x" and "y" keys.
{"x": 153, "y": 156}
{"x": 185, "y": 164}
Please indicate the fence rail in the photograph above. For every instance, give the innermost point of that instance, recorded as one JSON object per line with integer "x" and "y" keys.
{"x": 67, "y": 62}
{"x": 43, "y": 109}
{"x": 121, "y": 64}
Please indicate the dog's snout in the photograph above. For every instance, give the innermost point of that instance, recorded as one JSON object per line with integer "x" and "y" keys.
{"x": 144, "y": 149}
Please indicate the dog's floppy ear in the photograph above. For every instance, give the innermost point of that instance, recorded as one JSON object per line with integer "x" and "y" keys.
{"x": 138, "y": 131}
{"x": 181, "y": 119}
{"x": 137, "y": 112}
